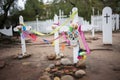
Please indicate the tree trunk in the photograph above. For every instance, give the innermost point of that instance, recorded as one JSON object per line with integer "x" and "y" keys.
{"x": 6, "y": 8}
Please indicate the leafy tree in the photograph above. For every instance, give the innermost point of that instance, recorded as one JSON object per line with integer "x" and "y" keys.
{"x": 84, "y": 6}
{"x": 5, "y": 6}
{"x": 36, "y": 8}
{"x": 114, "y": 4}
{"x": 33, "y": 8}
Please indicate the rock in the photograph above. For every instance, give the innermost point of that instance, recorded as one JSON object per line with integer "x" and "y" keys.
{"x": 21, "y": 56}
{"x": 45, "y": 77}
{"x": 65, "y": 61}
{"x": 26, "y": 55}
{"x": 67, "y": 77}
{"x": 54, "y": 70}
{"x": 74, "y": 69}
{"x": 56, "y": 78}
{"x": 61, "y": 71}
{"x": 51, "y": 56}
{"x": 58, "y": 63}
{"x": 2, "y": 64}
{"x": 58, "y": 57}
{"x": 81, "y": 64}
{"x": 51, "y": 66}
{"x": 47, "y": 69}
{"x": 80, "y": 73}
{"x": 68, "y": 67}
{"x": 62, "y": 55}
{"x": 57, "y": 74}
{"x": 66, "y": 71}
{"x": 46, "y": 73}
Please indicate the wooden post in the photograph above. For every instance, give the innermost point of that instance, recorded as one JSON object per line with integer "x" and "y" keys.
{"x": 93, "y": 26}
{"x": 37, "y": 29}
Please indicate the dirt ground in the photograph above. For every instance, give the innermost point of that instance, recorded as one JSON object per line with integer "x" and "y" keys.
{"x": 102, "y": 64}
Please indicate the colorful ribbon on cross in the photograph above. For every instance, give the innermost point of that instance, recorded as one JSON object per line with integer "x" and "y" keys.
{"x": 29, "y": 35}
{"x": 55, "y": 30}
{"x": 83, "y": 39}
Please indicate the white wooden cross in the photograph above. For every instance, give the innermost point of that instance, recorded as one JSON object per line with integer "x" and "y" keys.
{"x": 75, "y": 48}
{"x": 23, "y": 45}
{"x": 56, "y": 34}
{"x": 61, "y": 15}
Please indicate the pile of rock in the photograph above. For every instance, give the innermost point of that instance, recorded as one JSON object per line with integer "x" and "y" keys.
{"x": 64, "y": 70}
{"x": 53, "y": 56}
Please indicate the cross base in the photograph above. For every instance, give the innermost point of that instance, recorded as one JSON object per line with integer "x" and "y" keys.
{"x": 59, "y": 56}
{"x": 21, "y": 56}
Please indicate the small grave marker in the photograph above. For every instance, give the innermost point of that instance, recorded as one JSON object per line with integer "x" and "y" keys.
{"x": 107, "y": 25}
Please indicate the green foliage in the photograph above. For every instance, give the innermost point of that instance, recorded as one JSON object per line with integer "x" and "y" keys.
{"x": 33, "y": 9}
{"x": 114, "y": 4}
{"x": 84, "y": 6}
{"x": 36, "y": 8}
{"x": 5, "y": 6}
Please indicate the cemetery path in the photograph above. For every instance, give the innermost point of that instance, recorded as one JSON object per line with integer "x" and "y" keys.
{"x": 102, "y": 64}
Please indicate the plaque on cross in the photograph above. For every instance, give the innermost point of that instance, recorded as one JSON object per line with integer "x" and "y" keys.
{"x": 107, "y": 16}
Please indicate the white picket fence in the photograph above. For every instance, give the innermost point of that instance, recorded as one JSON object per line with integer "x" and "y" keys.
{"x": 41, "y": 26}
{"x": 45, "y": 26}
{"x": 96, "y": 21}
